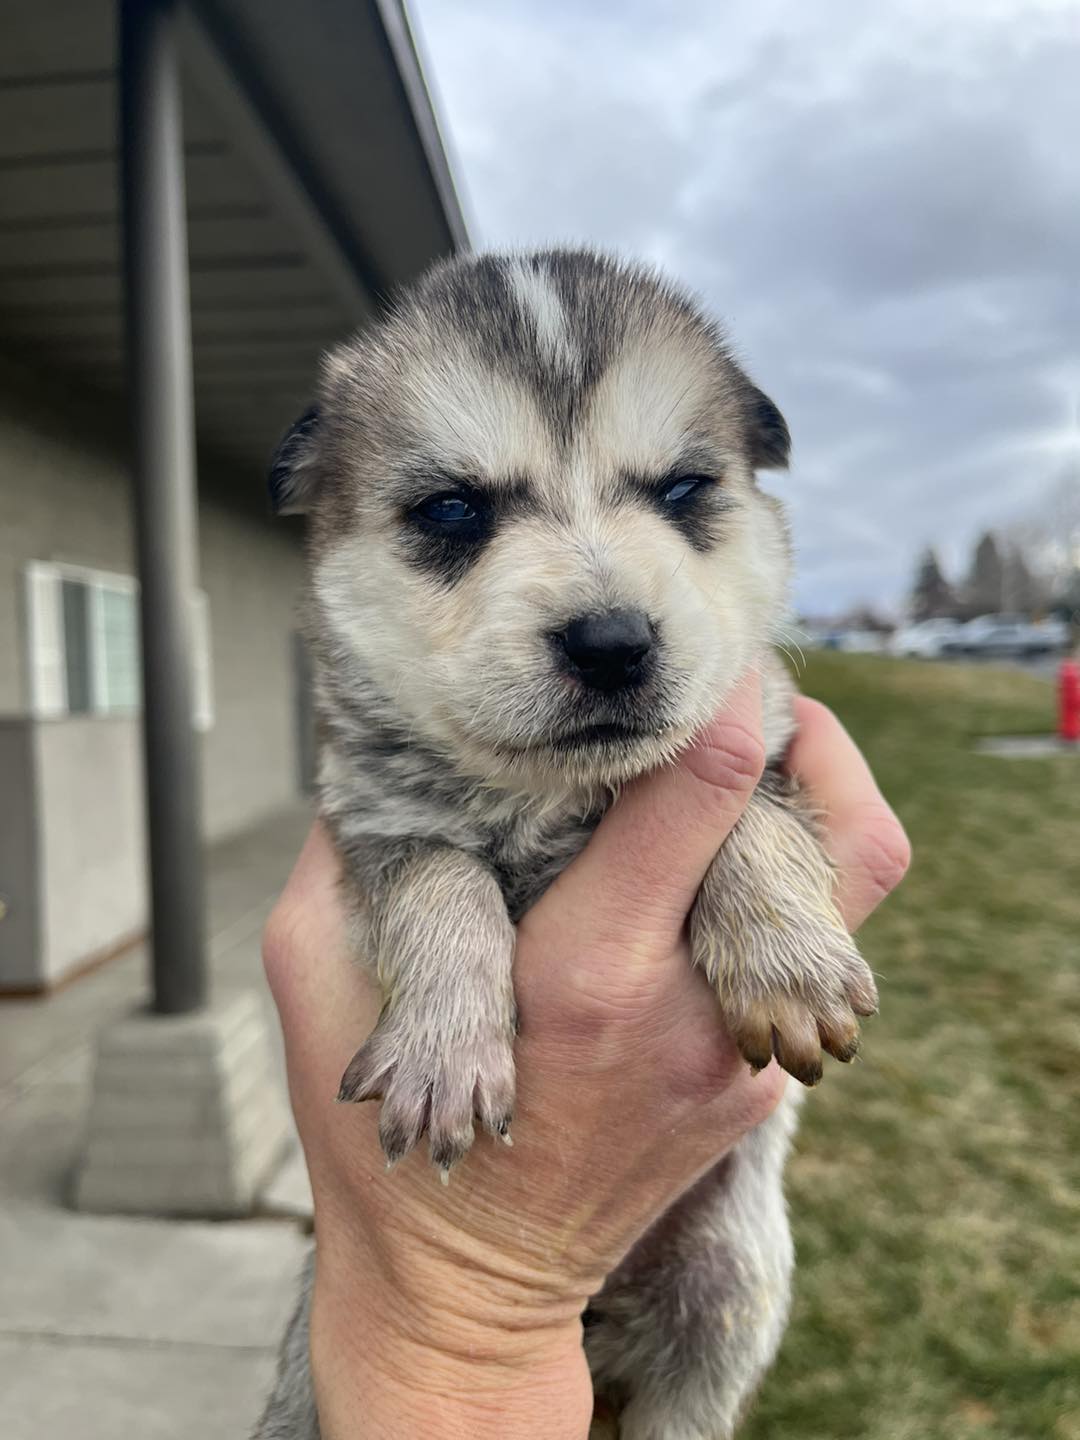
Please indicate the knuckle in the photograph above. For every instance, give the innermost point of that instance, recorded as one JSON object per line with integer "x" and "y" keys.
{"x": 882, "y": 851}
{"x": 729, "y": 757}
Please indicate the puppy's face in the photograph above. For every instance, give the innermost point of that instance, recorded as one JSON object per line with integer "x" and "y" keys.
{"x": 537, "y": 537}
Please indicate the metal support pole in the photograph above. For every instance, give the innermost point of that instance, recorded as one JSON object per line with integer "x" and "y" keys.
{"x": 166, "y": 505}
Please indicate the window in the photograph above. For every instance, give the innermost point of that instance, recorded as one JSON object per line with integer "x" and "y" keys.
{"x": 83, "y": 628}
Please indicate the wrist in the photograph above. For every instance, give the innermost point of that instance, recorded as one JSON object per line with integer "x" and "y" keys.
{"x": 383, "y": 1369}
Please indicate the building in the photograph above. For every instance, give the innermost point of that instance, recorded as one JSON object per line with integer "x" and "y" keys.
{"x": 316, "y": 181}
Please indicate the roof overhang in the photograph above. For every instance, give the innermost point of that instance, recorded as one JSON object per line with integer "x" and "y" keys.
{"x": 317, "y": 181}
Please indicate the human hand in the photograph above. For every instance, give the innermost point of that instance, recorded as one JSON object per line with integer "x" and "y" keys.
{"x": 441, "y": 1310}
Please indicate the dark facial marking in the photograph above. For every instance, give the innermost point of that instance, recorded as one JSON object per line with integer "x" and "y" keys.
{"x": 695, "y": 505}
{"x": 482, "y": 303}
{"x": 693, "y": 501}
{"x": 450, "y": 523}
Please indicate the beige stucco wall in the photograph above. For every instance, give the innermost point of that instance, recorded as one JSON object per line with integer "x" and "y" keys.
{"x": 65, "y": 496}
{"x": 251, "y": 572}
{"x": 90, "y": 824}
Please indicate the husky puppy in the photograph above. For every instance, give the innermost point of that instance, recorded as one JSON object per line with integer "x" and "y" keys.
{"x": 539, "y": 562}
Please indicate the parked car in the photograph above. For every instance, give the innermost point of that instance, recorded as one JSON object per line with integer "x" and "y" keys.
{"x": 1012, "y": 635}
{"x": 1052, "y": 636}
{"x": 925, "y": 640}
{"x": 986, "y": 634}
{"x": 855, "y": 642}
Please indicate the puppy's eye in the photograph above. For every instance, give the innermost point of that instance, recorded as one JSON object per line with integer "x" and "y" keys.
{"x": 682, "y": 488}
{"x": 450, "y": 511}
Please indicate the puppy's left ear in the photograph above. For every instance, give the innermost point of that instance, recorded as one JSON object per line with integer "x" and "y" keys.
{"x": 292, "y": 470}
{"x": 767, "y": 432}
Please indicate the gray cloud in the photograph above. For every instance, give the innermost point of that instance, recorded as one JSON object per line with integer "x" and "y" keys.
{"x": 882, "y": 201}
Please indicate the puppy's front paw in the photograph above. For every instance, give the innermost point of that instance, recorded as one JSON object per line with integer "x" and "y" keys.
{"x": 790, "y": 981}
{"x": 804, "y": 1014}
{"x": 767, "y": 933}
{"x": 435, "y": 1084}
{"x": 790, "y": 986}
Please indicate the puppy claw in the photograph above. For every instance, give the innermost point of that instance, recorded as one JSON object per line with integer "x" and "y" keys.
{"x": 449, "y": 1149}
{"x": 839, "y": 1037}
{"x": 753, "y": 1033}
{"x": 787, "y": 1029}
{"x": 363, "y": 1077}
{"x": 429, "y": 1090}
{"x": 807, "y": 1069}
{"x": 795, "y": 1041}
{"x": 398, "y": 1135}
{"x": 845, "y": 1054}
{"x": 498, "y": 1128}
{"x": 862, "y": 994}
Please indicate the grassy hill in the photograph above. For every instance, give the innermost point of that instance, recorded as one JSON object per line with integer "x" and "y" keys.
{"x": 936, "y": 1191}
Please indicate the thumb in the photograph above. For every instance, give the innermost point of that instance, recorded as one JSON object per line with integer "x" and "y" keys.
{"x": 639, "y": 874}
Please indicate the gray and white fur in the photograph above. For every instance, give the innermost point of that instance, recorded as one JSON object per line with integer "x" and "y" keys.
{"x": 539, "y": 562}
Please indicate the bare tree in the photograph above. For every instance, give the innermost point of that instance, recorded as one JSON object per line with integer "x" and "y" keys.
{"x": 1032, "y": 564}
{"x": 1050, "y": 536}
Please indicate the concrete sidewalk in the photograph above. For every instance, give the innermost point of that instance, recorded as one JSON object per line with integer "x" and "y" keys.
{"x": 110, "y": 1328}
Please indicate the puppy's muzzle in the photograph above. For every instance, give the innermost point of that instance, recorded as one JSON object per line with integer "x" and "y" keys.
{"x": 608, "y": 651}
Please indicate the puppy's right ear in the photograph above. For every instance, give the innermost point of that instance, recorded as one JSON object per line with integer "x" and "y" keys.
{"x": 292, "y": 470}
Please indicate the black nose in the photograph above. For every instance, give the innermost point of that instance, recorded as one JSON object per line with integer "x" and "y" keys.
{"x": 607, "y": 651}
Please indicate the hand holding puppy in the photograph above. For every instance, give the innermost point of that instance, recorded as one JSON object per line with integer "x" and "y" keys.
{"x": 438, "y": 1311}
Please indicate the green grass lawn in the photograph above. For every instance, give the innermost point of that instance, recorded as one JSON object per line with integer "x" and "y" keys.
{"x": 935, "y": 1193}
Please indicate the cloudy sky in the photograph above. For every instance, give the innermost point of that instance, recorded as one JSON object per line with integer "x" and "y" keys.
{"x": 882, "y": 200}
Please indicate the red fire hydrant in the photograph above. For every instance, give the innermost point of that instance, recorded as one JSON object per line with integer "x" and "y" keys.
{"x": 1069, "y": 701}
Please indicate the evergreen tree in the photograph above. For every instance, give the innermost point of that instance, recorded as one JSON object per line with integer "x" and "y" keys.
{"x": 1022, "y": 591}
{"x": 931, "y": 595}
{"x": 986, "y": 581}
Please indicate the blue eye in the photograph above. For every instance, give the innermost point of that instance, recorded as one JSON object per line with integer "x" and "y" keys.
{"x": 683, "y": 488}
{"x": 448, "y": 510}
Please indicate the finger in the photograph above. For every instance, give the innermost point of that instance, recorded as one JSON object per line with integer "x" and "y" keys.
{"x": 864, "y": 838}
{"x": 640, "y": 872}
